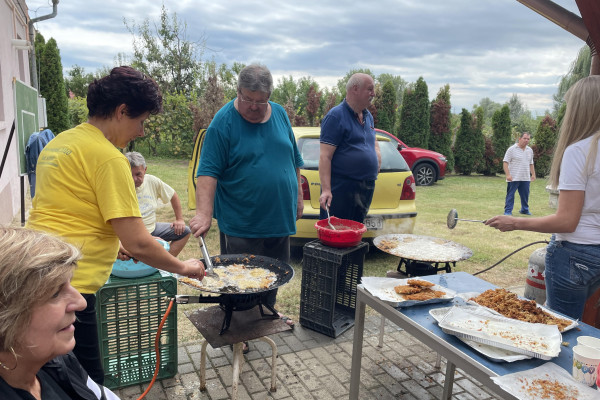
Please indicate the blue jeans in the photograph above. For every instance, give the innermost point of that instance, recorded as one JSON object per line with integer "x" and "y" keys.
{"x": 511, "y": 188}
{"x": 572, "y": 276}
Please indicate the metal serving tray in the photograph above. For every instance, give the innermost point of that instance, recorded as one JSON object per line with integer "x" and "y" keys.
{"x": 383, "y": 288}
{"x": 493, "y": 353}
{"x": 496, "y": 330}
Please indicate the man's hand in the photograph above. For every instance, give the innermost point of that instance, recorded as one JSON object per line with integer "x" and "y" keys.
{"x": 325, "y": 199}
{"x": 178, "y": 226}
{"x": 200, "y": 224}
{"x": 508, "y": 177}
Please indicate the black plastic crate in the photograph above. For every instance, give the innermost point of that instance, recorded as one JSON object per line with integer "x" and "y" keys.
{"x": 129, "y": 313}
{"x": 328, "y": 293}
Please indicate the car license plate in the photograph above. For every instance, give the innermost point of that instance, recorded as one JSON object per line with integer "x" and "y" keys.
{"x": 374, "y": 224}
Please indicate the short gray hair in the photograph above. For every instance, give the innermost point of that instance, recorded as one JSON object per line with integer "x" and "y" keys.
{"x": 135, "y": 159}
{"x": 255, "y": 78}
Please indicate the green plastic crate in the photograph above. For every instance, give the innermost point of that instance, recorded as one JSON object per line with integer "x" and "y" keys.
{"x": 129, "y": 313}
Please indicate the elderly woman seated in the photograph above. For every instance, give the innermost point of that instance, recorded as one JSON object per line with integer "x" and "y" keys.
{"x": 36, "y": 320}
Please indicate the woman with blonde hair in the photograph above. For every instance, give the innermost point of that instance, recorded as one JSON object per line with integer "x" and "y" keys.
{"x": 36, "y": 320}
{"x": 573, "y": 255}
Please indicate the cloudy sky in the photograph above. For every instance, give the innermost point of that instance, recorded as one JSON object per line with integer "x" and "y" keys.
{"x": 482, "y": 48}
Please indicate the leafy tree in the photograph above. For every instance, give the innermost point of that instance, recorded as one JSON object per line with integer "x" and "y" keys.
{"x": 501, "y": 138}
{"x": 489, "y": 108}
{"x": 166, "y": 54}
{"x": 285, "y": 91}
{"x": 52, "y": 87}
{"x": 440, "y": 138}
{"x": 398, "y": 83}
{"x": 545, "y": 140}
{"x": 580, "y": 68}
{"x": 331, "y": 99}
{"x": 304, "y": 86}
{"x": 313, "y": 98}
{"x": 78, "y": 81}
{"x": 171, "y": 132}
{"x": 228, "y": 78}
{"x": 78, "y": 111}
{"x": 386, "y": 112}
{"x": 414, "y": 117}
{"x": 210, "y": 101}
{"x": 466, "y": 150}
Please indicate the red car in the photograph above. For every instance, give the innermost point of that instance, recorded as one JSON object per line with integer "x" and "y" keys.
{"x": 427, "y": 166}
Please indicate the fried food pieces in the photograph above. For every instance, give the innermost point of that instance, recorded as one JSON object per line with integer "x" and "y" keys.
{"x": 509, "y": 305}
{"x": 419, "y": 290}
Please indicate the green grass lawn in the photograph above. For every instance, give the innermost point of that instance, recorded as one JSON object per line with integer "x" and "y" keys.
{"x": 474, "y": 197}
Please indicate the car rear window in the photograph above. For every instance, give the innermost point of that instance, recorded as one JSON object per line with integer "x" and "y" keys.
{"x": 391, "y": 159}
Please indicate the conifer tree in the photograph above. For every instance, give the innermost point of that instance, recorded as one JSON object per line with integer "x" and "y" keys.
{"x": 501, "y": 136}
{"x": 386, "y": 111}
{"x": 545, "y": 140}
{"x": 414, "y": 120}
{"x": 440, "y": 138}
{"x": 52, "y": 87}
{"x": 468, "y": 148}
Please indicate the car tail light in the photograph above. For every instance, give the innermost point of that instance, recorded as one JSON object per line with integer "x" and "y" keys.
{"x": 408, "y": 189}
{"x": 305, "y": 188}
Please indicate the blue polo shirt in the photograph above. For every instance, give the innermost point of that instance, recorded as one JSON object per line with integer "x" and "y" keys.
{"x": 355, "y": 155}
{"x": 255, "y": 167}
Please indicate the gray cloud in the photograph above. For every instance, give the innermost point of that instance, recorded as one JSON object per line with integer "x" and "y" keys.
{"x": 482, "y": 48}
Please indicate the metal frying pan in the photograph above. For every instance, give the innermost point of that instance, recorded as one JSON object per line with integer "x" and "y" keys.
{"x": 452, "y": 219}
{"x": 283, "y": 271}
{"x": 422, "y": 248}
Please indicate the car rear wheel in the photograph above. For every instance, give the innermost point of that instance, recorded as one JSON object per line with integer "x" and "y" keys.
{"x": 425, "y": 174}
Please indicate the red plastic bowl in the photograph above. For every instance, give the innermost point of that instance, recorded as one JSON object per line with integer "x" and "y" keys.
{"x": 347, "y": 233}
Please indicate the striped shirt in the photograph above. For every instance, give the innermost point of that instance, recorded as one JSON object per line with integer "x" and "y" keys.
{"x": 519, "y": 160}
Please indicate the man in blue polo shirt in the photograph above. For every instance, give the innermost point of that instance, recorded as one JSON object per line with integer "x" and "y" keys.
{"x": 350, "y": 158}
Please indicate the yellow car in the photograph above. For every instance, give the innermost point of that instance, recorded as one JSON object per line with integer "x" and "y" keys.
{"x": 393, "y": 208}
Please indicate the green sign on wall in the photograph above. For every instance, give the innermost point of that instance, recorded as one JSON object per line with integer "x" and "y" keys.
{"x": 26, "y": 118}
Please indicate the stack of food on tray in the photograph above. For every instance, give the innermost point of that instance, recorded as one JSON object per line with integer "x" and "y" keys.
{"x": 498, "y": 318}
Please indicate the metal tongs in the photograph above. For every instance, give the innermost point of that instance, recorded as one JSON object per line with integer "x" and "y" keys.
{"x": 207, "y": 261}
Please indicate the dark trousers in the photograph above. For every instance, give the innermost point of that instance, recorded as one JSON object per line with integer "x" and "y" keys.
{"x": 351, "y": 199}
{"x": 87, "y": 345}
{"x": 277, "y": 247}
{"x": 511, "y": 188}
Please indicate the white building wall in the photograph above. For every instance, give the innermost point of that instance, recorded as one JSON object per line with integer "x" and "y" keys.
{"x": 13, "y": 64}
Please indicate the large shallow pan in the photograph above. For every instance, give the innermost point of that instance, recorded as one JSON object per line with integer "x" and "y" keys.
{"x": 283, "y": 271}
{"x": 422, "y": 248}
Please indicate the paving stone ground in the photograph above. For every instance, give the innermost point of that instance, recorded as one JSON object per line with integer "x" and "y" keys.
{"x": 314, "y": 366}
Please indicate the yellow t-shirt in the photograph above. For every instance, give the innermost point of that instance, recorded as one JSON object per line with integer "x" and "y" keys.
{"x": 148, "y": 195}
{"x": 83, "y": 181}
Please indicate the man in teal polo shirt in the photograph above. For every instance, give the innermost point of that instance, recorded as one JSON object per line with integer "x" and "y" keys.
{"x": 249, "y": 174}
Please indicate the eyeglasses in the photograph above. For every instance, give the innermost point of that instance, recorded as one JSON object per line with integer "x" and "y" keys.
{"x": 252, "y": 103}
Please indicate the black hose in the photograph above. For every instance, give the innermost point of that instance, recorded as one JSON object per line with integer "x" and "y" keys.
{"x": 517, "y": 250}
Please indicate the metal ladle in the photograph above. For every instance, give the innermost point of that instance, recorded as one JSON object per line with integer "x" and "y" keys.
{"x": 452, "y": 219}
{"x": 329, "y": 218}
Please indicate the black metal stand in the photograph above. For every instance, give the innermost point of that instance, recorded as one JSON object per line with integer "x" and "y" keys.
{"x": 421, "y": 268}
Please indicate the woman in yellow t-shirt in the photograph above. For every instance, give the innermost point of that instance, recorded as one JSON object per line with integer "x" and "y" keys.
{"x": 85, "y": 194}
